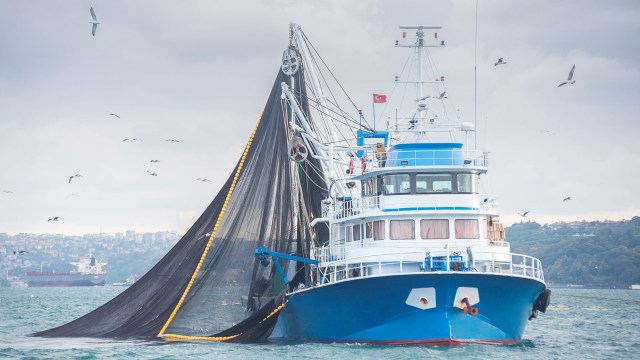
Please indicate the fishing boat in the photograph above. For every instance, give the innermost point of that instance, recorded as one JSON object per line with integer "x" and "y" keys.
{"x": 416, "y": 252}
{"x": 376, "y": 236}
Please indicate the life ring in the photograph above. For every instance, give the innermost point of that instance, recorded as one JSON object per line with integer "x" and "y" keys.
{"x": 364, "y": 164}
{"x": 351, "y": 167}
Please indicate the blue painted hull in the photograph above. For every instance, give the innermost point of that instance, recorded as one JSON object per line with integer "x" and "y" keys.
{"x": 374, "y": 310}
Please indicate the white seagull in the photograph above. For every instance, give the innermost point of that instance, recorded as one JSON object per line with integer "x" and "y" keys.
{"x": 500, "y": 62}
{"x": 95, "y": 22}
{"x": 569, "y": 79}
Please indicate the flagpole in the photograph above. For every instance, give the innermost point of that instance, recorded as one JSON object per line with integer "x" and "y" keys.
{"x": 374, "y": 112}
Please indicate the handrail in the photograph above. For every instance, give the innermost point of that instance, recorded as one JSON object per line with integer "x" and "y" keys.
{"x": 336, "y": 269}
{"x": 345, "y": 208}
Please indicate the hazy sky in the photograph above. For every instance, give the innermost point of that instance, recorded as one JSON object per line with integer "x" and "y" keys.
{"x": 200, "y": 72}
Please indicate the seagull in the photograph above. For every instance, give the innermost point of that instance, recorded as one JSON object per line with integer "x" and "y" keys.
{"x": 172, "y": 140}
{"x": 57, "y": 218}
{"x": 21, "y": 252}
{"x": 7, "y": 191}
{"x": 152, "y": 173}
{"x": 524, "y": 214}
{"x": 132, "y": 140}
{"x": 74, "y": 176}
{"x": 567, "y": 199}
{"x": 203, "y": 180}
{"x": 95, "y": 22}
{"x": 442, "y": 96}
{"x": 155, "y": 161}
{"x": 72, "y": 194}
{"x": 569, "y": 79}
{"x": 114, "y": 114}
{"x": 500, "y": 62}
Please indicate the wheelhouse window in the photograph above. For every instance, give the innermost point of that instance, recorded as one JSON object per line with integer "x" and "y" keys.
{"x": 434, "y": 183}
{"x": 356, "y": 232}
{"x": 466, "y": 228}
{"x": 378, "y": 230}
{"x": 396, "y": 184}
{"x": 467, "y": 183}
{"x": 434, "y": 229}
{"x": 402, "y": 229}
{"x": 368, "y": 230}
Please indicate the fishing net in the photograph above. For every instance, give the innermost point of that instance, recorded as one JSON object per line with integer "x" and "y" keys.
{"x": 210, "y": 285}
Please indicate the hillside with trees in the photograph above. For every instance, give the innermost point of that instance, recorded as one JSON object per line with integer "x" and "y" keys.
{"x": 582, "y": 252}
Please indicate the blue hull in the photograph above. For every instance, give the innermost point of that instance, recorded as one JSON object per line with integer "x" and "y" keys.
{"x": 375, "y": 310}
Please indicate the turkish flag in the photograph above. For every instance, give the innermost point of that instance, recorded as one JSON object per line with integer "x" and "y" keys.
{"x": 379, "y": 98}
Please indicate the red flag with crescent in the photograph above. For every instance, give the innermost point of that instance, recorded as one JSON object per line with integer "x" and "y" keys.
{"x": 379, "y": 98}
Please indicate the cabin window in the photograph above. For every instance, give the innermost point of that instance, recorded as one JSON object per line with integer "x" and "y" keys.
{"x": 356, "y": 232}
{"x": 433, "y": 183}
{"x": 396, "y": 184}
{"x": 466, "y": 228}
{"x": 467, "y": 183}
{"x": 349, "y": 237}
{"x": 434, "y": 229}
{"x": 402, "y": 230}
{"x": 368, "y": 230}
{"x": 378, "y": 230}
{"x": 369, "y": 187}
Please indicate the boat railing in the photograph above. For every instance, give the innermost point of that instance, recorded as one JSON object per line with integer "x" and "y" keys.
{"x": 430, "y": 261}
{"x": 347, "y": 207}
{"x": 331, "y": 253}
{"x": 373, "y": 159}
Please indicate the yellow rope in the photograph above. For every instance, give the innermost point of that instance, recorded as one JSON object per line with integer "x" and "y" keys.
{"x": 206, "y": 249}
{"x": 218, "y": 338}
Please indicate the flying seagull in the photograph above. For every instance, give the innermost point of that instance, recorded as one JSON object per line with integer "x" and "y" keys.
{"x": 567, "y": 199}
{"x": 569, "y": 79}
{"x": 7, "y": 191}
{"x": 152, "y": 173}
{"x": 203, "y": 180}
{"x": 95, "y": 22}
{"x": 57, "y": 218}
{"x": 524, "y": 214}
{"x": 172, "y": 140}
{"x": 132, "y": 140}
{"x": 500, "y": 62}
{"x": 114, "y": 114}
{"x": 72, "y": 194}
{"x": 21, "y": 252}
{"x": 155, "y": 161}
{"x": 74, "y": 176}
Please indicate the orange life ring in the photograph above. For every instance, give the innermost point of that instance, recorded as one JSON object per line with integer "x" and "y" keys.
{"x": 364, "y": 164}
{"x": 351, "y": 167}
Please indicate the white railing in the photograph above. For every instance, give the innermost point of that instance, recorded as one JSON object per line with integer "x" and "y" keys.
{"x": 424, "y": 157}
{"x": 341, "y": 209}
{"x": 334, "y": 268}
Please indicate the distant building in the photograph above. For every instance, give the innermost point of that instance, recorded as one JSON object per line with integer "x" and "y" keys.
{"x": 131, "y": 235}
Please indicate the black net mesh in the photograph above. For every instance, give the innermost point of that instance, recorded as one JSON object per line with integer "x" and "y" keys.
{"x": 267, "y": 202}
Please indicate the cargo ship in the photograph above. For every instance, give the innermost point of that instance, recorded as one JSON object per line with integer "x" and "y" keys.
{"x": 89, "y": 272}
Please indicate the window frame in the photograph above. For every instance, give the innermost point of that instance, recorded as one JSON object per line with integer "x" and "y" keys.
{"x": 477, "y": 228}
{"x": 413, "y": 229}
{"x": 443, "y": 238}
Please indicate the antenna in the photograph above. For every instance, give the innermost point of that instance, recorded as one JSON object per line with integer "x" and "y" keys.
{"x": 475, "y": 84}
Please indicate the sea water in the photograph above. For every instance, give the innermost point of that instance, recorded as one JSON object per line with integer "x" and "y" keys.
{"x": 579, "y": 324}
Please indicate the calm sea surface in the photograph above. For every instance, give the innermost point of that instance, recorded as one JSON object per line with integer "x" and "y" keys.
{"x": 581, "y": 323}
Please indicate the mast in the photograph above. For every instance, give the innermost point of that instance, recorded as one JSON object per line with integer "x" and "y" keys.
{"x": 421, "y": 105}
{"x": 326, "y": 118}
